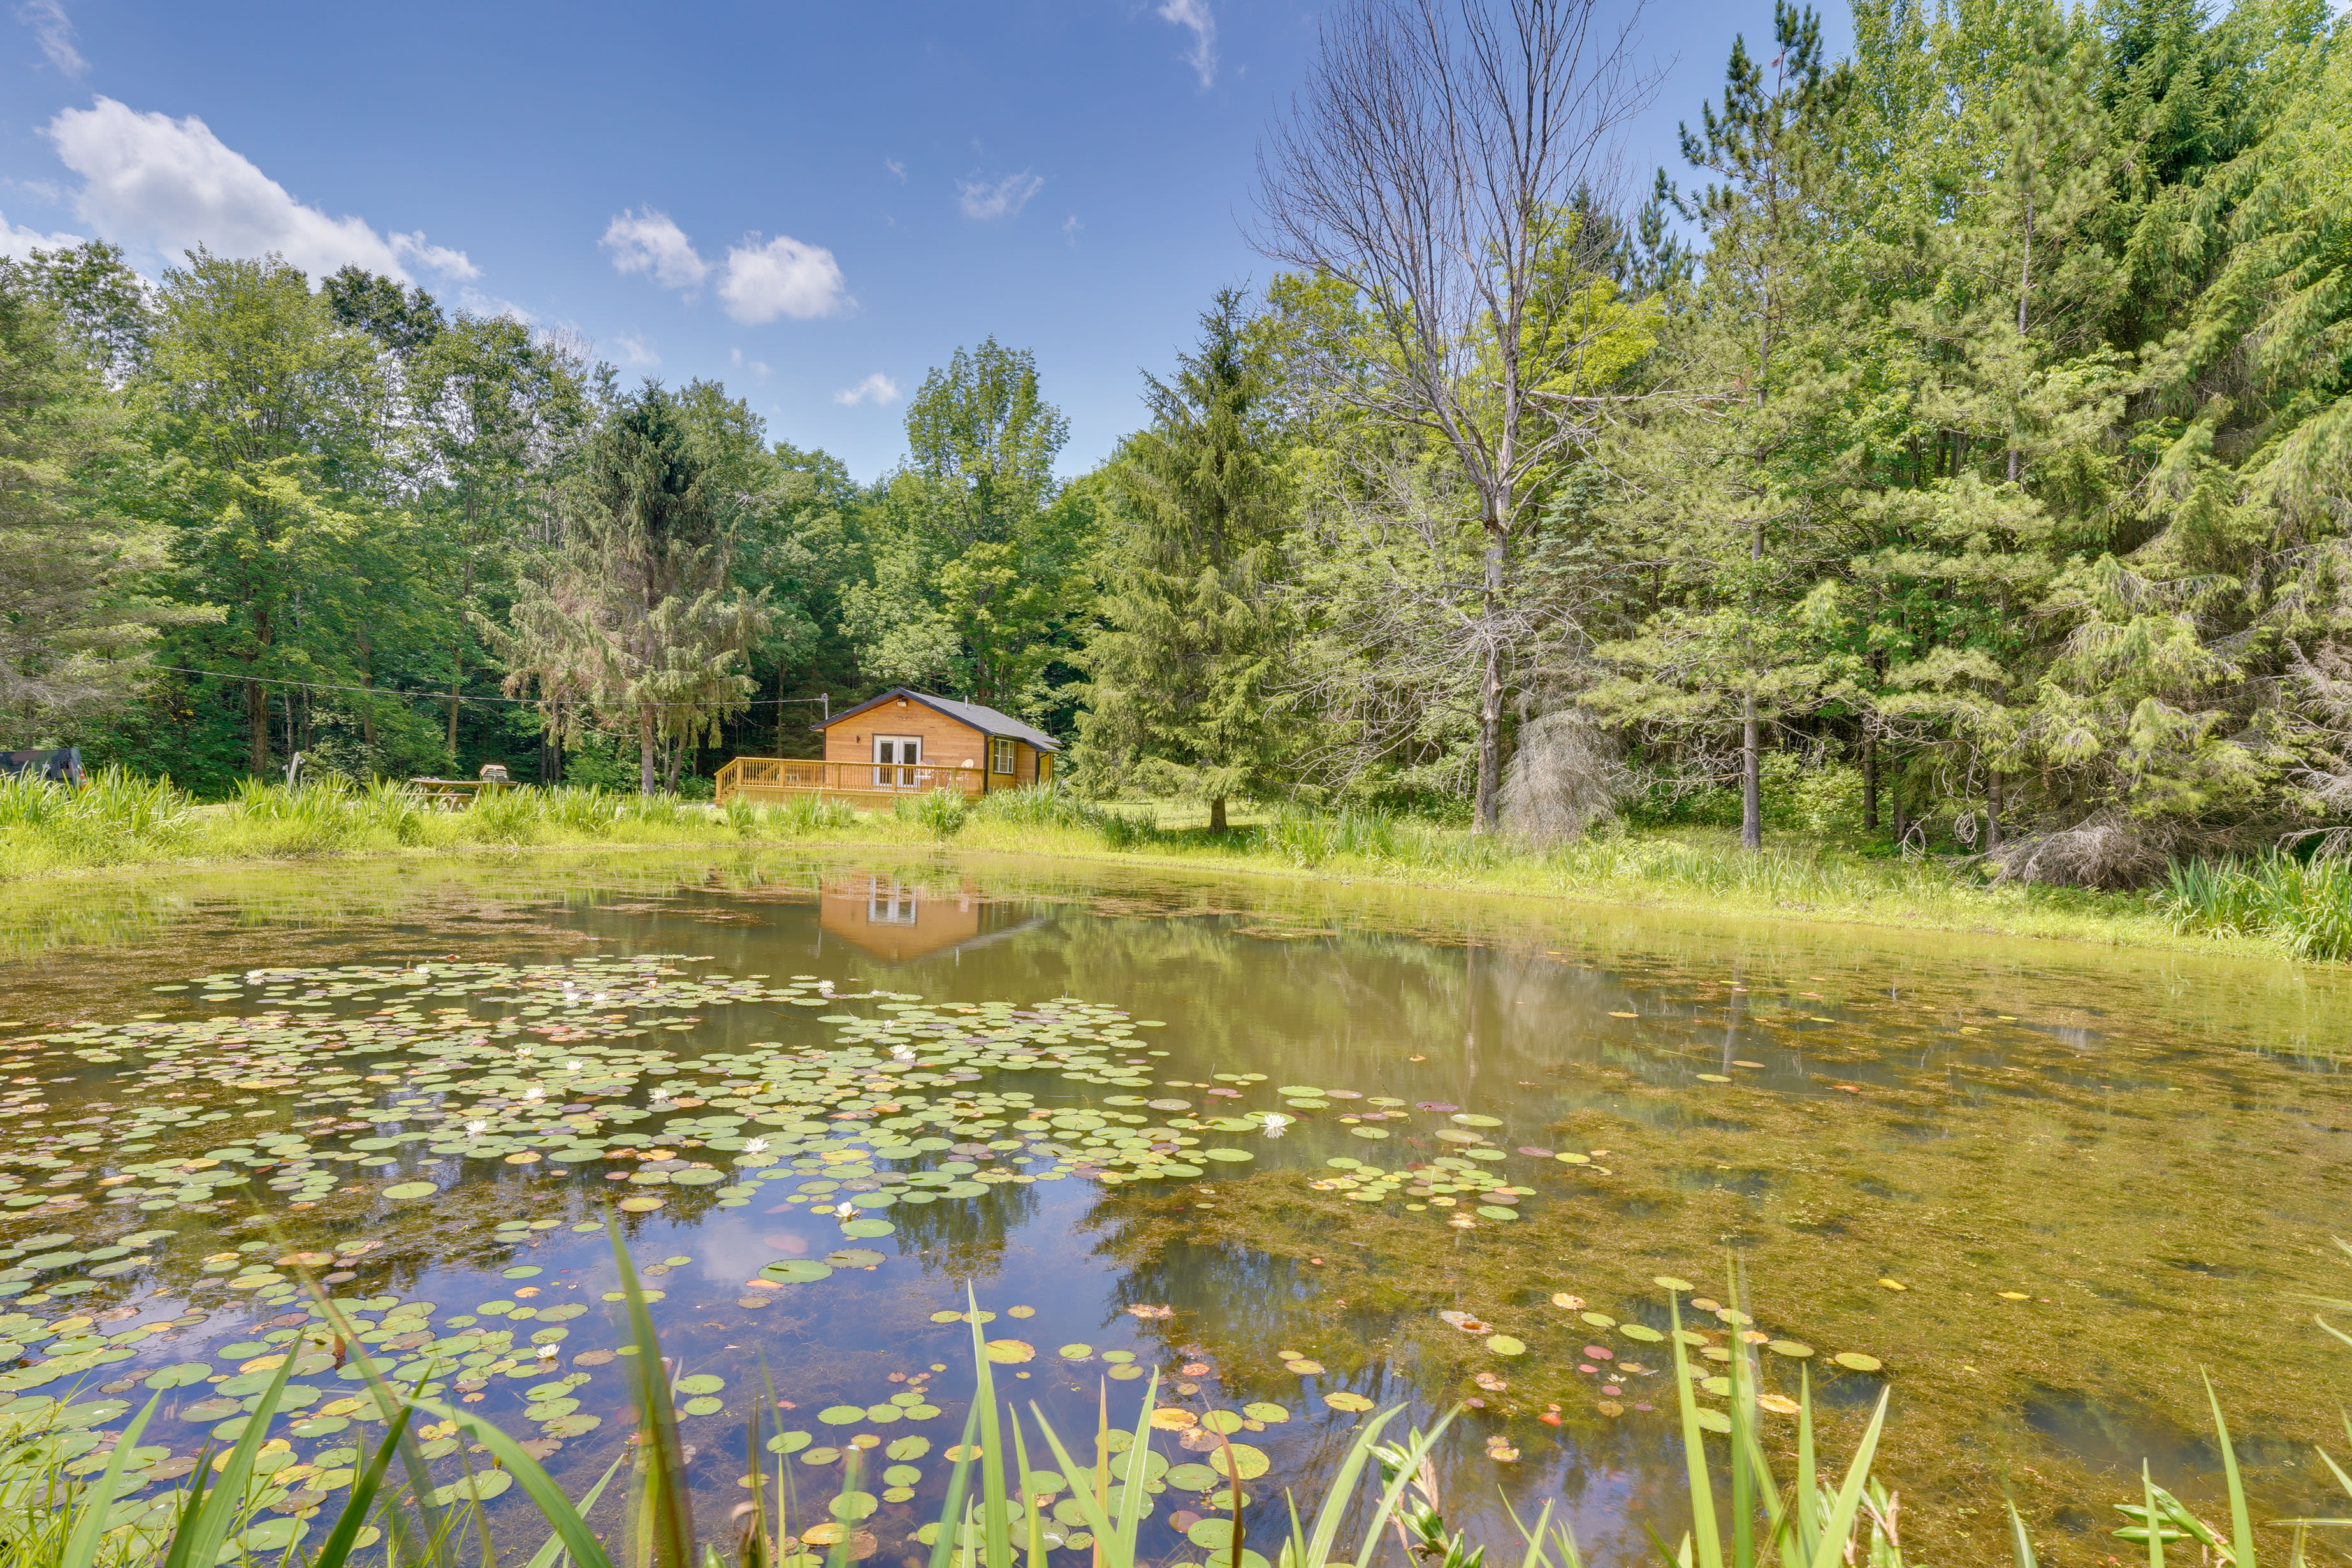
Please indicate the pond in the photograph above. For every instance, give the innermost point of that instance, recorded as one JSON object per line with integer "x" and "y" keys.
{"x": 1300, "y": 1150}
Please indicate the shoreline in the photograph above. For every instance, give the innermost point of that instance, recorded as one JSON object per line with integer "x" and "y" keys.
{"x": 1915, "y": 898}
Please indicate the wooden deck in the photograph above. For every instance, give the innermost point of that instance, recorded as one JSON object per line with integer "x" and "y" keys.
{"x": 772, "y": 780}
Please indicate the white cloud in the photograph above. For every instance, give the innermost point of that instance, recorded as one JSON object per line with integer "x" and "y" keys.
{"x": 781, "y": 278}
{"x": 166, "y": 185}
{"x": 1071, "y": 227}
{"x": 17, "y": 243}
{"x": 757, "y": 367}
{"x": 1195, "y": 14}
{"x": 897, "y": 170}
{"x": 1005, "y": 198}
{"x": 649, "y": 242}
{"x": 54, "y": 29}
{"x": 433, "y": 258}
{"x": 759, "y": 280}
{"x": 876, "y": 388}
{"x": 636, "y": 349}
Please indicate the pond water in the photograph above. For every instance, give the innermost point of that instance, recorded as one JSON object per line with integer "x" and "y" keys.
{"x": 1299, "y": 1150}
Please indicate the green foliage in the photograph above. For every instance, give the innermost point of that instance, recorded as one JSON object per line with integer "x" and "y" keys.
{"x": 942, "y": 813}
{"x": 1188, "y": 664}
{"x": 978, "y": 559}
{"x": 637, "y": 621}
{"x": 2306, "y": 905}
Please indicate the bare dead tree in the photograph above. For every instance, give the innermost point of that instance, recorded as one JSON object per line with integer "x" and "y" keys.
{"x": 1440, "y": 160}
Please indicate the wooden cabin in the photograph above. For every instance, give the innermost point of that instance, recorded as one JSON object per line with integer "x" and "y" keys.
{"x": 899, "y": 743}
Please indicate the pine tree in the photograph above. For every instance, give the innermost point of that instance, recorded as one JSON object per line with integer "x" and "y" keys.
{"x": 1186, "y": 668}
{"x": 634, "y": 619}
{"x": 1731, "y": 486}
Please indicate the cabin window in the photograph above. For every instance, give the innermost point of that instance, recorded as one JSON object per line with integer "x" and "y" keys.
{"x": 1000, "y": 756}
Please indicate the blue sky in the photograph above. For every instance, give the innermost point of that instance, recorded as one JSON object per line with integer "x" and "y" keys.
{"x": 813, "y": 203}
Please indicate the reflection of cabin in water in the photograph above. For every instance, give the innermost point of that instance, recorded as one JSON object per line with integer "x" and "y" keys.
{"x": 902, "y": 742}
{"x": 896, "y": 920}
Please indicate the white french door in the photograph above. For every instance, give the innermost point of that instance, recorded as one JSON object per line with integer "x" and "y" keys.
{"x": 896, "y": 759}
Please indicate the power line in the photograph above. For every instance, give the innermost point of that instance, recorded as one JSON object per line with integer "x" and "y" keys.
{"x": 824, "y": 701}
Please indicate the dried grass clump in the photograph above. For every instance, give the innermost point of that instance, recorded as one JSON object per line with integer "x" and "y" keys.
{"x": 1564, "y": 778}
{"x": 2099, "y": 852}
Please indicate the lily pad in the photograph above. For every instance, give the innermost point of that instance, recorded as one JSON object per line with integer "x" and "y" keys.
{"x": 701, "y": 1383}
{"x": 1246, "y": 1463}
{"x": 908, "y": 1447}
{"x": 841, "y": 1415}
{"x": 1344, "y": 1400}
{"x": 1265, "y": 1412}
{"x": 406, "y": 1190}
{"x": 1504, "y": 1344}
{"x": 1011, "y": 1352}
{"x": 1856, "y": 1360}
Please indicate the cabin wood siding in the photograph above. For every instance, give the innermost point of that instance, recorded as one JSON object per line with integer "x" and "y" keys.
{"x": 947, "y": 742}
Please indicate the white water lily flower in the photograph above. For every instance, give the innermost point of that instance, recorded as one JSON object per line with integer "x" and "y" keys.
{"x": 522, "y": 1050}
{"x": 1276, "y": 1122}
{"x": 902, "y": 1052}
{"x": 534, "y": 1092}
{"x": 474, "y": 1129}
{"x": 755, "y": 1146}
{"x": 571, "y": 1067}
{"x": 846, "y": 1211}
{"x": 546, "y": 1352}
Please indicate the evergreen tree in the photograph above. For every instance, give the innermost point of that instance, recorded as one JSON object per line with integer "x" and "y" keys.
{"x": 1186, "y": 665}
{"x": 635, "y": 618}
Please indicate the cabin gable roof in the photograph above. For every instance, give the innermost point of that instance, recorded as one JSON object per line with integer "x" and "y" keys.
{"x": 987, "y": 720}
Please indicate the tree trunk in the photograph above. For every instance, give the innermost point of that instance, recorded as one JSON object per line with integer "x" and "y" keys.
{"x": 256, "y": 729}
{"x": 1751, "y": 777}
{"x": 1217, "y": 815}
{"x": 1992, "y": 811}
{"x": 1870, "y": 783}
{"x": 644, "y": 753}
{"x": 1490, "y": 703}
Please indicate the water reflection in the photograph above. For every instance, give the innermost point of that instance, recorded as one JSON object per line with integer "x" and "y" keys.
{"x": 2086, "y": 1176}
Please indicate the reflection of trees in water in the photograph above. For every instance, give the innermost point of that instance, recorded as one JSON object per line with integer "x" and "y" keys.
{"x": 963, "y": 1238}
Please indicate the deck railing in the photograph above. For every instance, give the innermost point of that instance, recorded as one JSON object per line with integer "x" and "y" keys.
{"x": 764, "y": 778}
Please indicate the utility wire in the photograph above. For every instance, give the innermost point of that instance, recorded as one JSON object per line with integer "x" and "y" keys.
{"x": 461, "y": 697}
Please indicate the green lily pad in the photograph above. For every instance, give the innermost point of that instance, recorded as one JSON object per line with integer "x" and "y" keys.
{"x": 841, "y": 1415}
{"x": 796, "y": 1271}
{"x": 1856, "y": 1360}
{"x": 1268, "y": 1413}
{"x": 412, "y": 1190}
{"x": 1504, "y": 1344}
{"x": 1344, "y": 1400}
{"x": 908, "y": 1447}
{"x": 1642, "y": 1332}
{"x": 787, "y": 1442}
{"x": 701, "y": 1383}
{"x": 1230, "y": 1155}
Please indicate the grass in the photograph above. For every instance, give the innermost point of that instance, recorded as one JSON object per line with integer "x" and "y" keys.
{"x": 2305, "y": 906}
{"x": 1737, "y": 1510}
{"x": 2275, "y": 902}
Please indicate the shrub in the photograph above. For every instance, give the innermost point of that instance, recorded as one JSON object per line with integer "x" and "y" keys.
{"x": 942, "y": 813}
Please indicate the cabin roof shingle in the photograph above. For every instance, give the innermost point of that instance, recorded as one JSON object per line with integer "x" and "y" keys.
{"x": 987, "y": 720}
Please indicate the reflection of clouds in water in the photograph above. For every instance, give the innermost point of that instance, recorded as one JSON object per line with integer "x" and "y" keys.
{"x": 794, "y": 1246}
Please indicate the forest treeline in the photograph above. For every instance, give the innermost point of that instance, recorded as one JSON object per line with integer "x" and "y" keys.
{"x": 1955, "y": 451}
